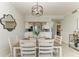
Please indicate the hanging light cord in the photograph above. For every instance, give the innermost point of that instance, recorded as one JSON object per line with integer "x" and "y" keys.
{"x": 37, "y": 5}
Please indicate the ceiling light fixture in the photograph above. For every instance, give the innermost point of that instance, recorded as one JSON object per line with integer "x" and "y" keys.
{"x": 37, "y": 10}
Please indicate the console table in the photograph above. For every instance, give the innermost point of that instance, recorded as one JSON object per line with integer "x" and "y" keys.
{"x": 71, "y": 42}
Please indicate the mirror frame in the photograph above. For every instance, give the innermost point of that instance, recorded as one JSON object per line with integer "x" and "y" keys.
{"x": 4, "y": 26}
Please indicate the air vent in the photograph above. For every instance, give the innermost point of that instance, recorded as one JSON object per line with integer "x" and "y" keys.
{"x": 74, "y": 11}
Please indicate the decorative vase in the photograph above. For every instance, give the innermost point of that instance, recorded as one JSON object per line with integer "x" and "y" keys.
{"x": 75, "y": 36}
{"x": 75, "y": 44}
{"x": 36, "y": 32}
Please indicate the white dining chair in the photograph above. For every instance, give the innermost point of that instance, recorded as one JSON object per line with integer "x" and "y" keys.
{"x": 58, "y": 40}
{"x": 12, "y": 43}
{"x": 27, "y": 48}
{"x": 57, "y": 51}
{"x": 46, "y": 48}
{"x": 16, "y": 52}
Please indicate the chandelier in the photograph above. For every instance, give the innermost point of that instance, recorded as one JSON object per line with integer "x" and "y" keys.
{"x": 37, "y": 10}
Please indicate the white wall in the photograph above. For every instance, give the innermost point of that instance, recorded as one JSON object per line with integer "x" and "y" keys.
{"x": 69, "y": 24}
{"x": 39, "y": 18}
{"x": 6, "y": 8}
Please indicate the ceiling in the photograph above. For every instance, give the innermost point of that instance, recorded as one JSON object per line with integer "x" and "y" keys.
{"x": 56, "y": 9}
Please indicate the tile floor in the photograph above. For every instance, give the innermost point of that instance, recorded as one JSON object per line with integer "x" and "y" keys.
{"x": 69, "y": 52}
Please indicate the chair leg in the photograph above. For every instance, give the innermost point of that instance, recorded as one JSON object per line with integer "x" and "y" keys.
{"x": 60, "y": 51}
{"x": 11, "y": 53}
{"x": 14, "y": 52}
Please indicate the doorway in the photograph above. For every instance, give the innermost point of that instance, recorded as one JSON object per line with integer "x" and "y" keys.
{"x": 58, "y": 26}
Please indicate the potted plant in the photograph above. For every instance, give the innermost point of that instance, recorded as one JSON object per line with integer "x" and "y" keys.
{"x": 36, "y": 31}
{"x": 75, "y": 37}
